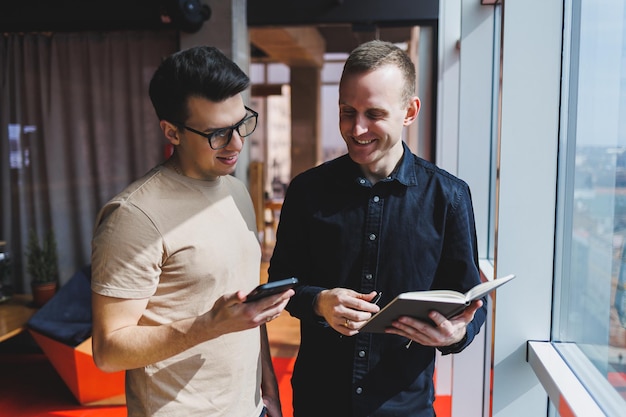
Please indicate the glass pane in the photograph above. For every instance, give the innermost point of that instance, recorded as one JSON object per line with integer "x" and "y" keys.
{"x": 593, "y": 205}
{"x": 495, "y": 134}
{"x": 278, "y": 74}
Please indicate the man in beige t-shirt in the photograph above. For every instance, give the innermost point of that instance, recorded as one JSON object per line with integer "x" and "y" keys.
{"x": 175, "y": 253}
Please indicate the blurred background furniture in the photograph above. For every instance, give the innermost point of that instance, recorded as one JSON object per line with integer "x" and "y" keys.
{"x": 62, "y": 328}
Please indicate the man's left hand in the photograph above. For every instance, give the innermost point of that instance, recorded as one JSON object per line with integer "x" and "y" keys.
{"x": 443, "y": 332}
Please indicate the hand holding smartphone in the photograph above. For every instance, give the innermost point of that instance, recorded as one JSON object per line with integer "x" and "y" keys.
{"x": 270, "y": 288}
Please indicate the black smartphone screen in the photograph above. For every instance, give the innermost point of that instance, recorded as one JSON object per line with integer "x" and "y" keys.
{"x": 270, "y": 288}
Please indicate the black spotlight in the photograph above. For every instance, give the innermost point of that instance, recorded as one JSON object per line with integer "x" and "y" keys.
{"x": 188, "y": 15}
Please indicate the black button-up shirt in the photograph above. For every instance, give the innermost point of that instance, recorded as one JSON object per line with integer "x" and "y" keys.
{"x": 412, "y": 231}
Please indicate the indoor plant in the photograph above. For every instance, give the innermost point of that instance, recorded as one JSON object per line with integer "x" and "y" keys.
{"x": 42, "y": 266}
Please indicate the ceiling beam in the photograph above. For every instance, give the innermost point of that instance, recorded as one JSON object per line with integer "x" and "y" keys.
{"x": 296, "y": 46}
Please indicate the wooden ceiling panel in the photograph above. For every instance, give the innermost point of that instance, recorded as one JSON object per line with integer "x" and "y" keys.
{"x": 294, "y": 46}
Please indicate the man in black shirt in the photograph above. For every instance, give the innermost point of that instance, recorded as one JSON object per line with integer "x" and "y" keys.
{"x": 379, "y": 219}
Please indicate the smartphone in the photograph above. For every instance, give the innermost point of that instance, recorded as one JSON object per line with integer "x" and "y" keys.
{"x": 271, "y": 288}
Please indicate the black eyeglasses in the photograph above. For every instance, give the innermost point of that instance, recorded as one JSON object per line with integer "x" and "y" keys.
{"x": 220, "y": 138}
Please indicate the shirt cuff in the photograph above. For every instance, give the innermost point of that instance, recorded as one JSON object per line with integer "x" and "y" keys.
{"x": 455, "y": 348}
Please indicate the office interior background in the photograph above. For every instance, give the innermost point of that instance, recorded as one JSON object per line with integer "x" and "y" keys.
{"x": 523, "y": 99}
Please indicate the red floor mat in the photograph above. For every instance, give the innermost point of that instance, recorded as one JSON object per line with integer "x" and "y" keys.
{"x": 30, "y": 387}
{"x": 284, "y": 368}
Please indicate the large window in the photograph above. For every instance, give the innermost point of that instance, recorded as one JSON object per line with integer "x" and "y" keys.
{"x": 590, "y": 330}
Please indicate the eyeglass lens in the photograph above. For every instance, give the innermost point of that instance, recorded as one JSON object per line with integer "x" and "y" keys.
{"x": 220, "y": 138}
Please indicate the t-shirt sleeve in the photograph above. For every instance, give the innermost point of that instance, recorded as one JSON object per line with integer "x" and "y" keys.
{"x": 127, "y": 252}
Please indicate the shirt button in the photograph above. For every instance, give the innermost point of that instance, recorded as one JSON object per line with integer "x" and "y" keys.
{"x": 376, "y": 199}
{"x": 372, "y": 236}
{"x": 368, "y": 276}
{"x": 362, "y": 181}
{"x": 361, "y": 353}
{"x": 359, "y": 390}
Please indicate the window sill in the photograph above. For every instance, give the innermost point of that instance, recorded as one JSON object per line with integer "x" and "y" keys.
{"x": 564, "y": 388}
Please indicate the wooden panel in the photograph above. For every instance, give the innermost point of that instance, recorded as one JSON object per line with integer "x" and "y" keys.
{"x": 300, "y": 47}
{"x": 14, "y": 314}
{"x": 256, "y": 192}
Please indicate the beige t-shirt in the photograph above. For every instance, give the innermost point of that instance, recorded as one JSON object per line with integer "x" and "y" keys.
{"x": 183, "y": 243}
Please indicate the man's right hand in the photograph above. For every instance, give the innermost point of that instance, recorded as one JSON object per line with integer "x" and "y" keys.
{"x": 345, "y": 310}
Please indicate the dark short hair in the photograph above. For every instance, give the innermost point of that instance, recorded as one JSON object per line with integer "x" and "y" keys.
{"x": 202, "y": 71}
{"x": 375, "y": 54}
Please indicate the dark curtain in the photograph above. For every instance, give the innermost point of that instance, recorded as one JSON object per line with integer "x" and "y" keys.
{"x": 76, "y": 126}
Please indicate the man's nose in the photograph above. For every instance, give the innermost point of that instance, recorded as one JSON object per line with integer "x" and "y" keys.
{"x": 360, "y": 126}
{"x": 236, "y": 141}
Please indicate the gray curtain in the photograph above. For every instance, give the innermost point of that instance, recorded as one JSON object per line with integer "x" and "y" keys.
{"x": 76, "y": 126}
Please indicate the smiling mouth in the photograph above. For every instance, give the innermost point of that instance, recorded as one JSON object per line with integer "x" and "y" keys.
{"x": 363, "y": 142}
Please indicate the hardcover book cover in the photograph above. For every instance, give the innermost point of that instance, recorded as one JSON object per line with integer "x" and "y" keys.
{"x": 419, "y": 303}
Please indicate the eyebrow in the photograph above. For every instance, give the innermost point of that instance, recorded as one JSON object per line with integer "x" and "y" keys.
{"x": 215, "y": 129}
{"x": 374, "y": 109}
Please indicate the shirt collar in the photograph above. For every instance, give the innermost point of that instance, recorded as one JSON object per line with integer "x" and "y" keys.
{"x": 404, "y": 173}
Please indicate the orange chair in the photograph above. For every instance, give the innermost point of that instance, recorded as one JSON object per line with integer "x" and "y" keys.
{"x": 75, "y": 365}
{"x": 62, "y": 329}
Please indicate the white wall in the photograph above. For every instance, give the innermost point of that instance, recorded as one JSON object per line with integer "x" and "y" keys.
{"x": 532, "y": 33}
{"x": 526, "y": 198}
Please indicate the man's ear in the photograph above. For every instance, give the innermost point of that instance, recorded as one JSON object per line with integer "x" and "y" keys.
{"x": 170, "y": 131}
{"x": 412, "y": 111}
